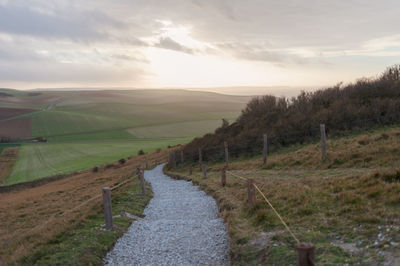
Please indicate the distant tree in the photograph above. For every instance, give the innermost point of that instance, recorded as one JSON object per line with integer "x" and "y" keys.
{"x": 225, "y": 123}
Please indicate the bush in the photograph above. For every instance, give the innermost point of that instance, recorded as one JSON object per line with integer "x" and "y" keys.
{"x": 141, "y": 152}
{"x": 121, "y": 161}
{"x": 366, "y": 103}
{"x": 95, "y": 169}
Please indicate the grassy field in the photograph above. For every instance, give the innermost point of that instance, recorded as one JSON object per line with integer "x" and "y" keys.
{"x": 347, "y": 205}
{"x": 46, "y": 159}
{"x": 87, "y": 128}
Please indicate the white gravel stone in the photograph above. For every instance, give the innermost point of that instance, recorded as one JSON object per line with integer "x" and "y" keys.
{"x": 181, "y": 227}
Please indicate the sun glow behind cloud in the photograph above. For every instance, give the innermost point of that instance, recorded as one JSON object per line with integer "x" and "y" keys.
{"x": 194, "y": 43}
{"x": 197, "y": 67}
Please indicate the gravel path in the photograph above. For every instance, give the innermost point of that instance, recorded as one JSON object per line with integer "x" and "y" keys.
{"x": 181, "y": 227}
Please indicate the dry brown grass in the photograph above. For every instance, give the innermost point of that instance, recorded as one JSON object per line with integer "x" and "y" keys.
{"x": 7, "y": 160}
{"x": 353, "y": 196}
{"x": 47, "y": 209}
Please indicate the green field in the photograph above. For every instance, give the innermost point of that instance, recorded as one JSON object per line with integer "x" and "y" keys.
{"x": 87, "y": 128}
{"x": 47, "y": 159}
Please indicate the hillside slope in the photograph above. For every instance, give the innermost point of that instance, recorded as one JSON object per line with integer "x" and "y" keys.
{"x": 87, "y": 128}
{"x": 368, "y": 103}
{"x": 347, "y": 205}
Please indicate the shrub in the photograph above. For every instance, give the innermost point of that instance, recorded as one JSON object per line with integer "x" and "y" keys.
{"x": 366, "y": 103}
{"x": 141, "y": 152}
{"x": 121, "y": 161}
{"x": 95, "y": 169}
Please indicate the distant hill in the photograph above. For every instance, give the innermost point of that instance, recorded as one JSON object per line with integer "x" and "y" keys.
{"x": 364, "y": 104}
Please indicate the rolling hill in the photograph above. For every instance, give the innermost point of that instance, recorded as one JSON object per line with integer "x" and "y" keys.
{"x": 87, "y": 128}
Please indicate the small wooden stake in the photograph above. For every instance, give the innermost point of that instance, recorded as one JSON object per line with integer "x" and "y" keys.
{"x": 204, "y": 171}
{"x": 223, "y": 176}
{"x": 323, "y": 141}
{"x": 182, "y": 161}
{"x": 107, "y": 208}
{"x": 306, "y": 254}
{"x": 147, "y": 165}
{"x": 226, "y": 154}
{"x": 142, "y": 183}
{"x": 251, "y": 196}
{"x": 174, "y": 159}
{"x": 138, "y": 171}
{"x": 200, "y": 158}
{"x": 191, "y": 170}
{"x": 265, "y": 149}
{"x": 170, "y": 159}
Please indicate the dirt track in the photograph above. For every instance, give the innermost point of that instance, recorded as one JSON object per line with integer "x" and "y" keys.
{"x": 32, "y": 216}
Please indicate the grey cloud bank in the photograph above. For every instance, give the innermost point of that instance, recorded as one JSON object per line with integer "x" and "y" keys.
{"x": 116, "y": 36}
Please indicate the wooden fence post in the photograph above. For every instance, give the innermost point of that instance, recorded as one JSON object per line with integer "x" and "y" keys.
{"x": 200, "y": 158}
{"x": 147, "y": 165}
{"x": 251, "y": 196}
{"x": 265, "y": 149}
{"x": 191, "y": 170}
{"x": 226, "y": 154}
{"x": 107, "y": 208}
{"x": 306, "y": 254}
{"x": 223, "y": 176}
{"x": 142, "y": 183}
{"x": 182, "y": 159}
{"x": 170, "y": 159}
{"x": 138, "y": 171}
{"x": 174, "y": 159}
{"x": 204, "y": 171}
{"x": 323, "y": 141}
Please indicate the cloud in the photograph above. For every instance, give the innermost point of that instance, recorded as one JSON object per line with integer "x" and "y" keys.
{"x": 73, "y": 73}
{"x": 168, "y": 43}
{"x": 81, "y": 25}
{"x": 103, "y": 35}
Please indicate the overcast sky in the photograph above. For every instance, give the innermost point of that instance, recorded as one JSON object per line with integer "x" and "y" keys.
{"x": 195, "y": 43}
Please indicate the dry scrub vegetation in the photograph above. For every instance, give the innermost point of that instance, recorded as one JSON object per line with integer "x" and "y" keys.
{"x": 8, "y": 157}
{"x": 30, "y": 218}
{"x": 346, "y": 205}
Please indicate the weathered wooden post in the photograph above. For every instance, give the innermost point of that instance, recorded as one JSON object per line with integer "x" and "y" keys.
{"x": 306, "y": 254}
{"x": 138, "y": 171}
{"x": 226, "y": 154}
{"x": 142, "y": 183}
{"x": 251, "y": 196}
{"x": 223, "y": 176}
{"x": 191, "y": 169}
{"x": 200, "y": 158}
{"x": 170, "y": 159}
{"x": 147, "y": 165}
{"x": 182, "y": 159}
{"x": 265, "y": 149}
{"x": 107, "y": 208}
{"x": 323, "y": 141}
{"x": 174, "y": 159}
{"x": 204, "y": 171}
